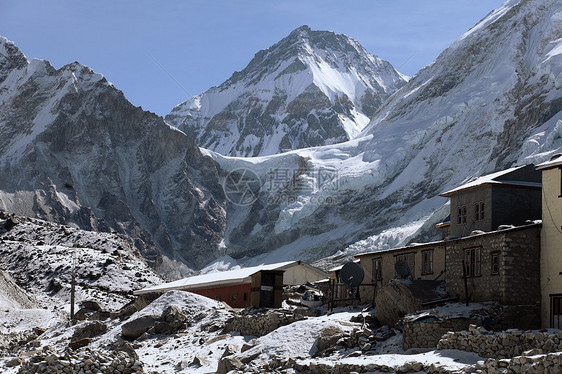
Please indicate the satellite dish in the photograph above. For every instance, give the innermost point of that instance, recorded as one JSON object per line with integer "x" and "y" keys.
{"x": 402, "y": 268}
{"x": 352, "y": 274}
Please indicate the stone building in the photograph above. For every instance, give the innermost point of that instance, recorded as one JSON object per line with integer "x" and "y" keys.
{"x": 499, "y": 266}
{"x": 488, "y": 201}
{"x": 551, "y": 243}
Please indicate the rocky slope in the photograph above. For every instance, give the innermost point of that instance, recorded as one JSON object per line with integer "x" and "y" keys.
{"x": 37, "y": 259}
{"x": 73, "y": 150}
{"x": 312, "y": 88}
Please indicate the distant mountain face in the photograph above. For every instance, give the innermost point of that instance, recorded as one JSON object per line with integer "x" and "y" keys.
{"x": 73, "y": 150}
{"x": 312, "y": 88}
{"x": 493, "y": 99}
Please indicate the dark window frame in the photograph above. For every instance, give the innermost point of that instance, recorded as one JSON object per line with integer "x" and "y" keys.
{"x": 461, "y": 214}
{"x": 377, "y": 270}
{"x": 552, "y": 307}
{"x": 495, "y": 255}
{"x": 473, "y": 261}
{"x": 426, "y": 271}
{"x": 479, "y": 211}
{"x": 407, "y": 255}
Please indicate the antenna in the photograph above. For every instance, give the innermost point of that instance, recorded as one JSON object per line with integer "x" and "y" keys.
{"x": 352, "y": 274}
{"x": 402, "y": 268}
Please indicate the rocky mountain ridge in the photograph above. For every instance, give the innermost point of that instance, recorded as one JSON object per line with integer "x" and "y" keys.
{"x": 73, "y": 150}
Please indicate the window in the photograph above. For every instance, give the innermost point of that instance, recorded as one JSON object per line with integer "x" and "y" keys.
{"x": 218, "y": 298}
{"x": 479, "y": 211}
{"x": 377, "y": 269}
{"x": 472, "y": 262}
{"x": 495, "y": 257}
{"x": 427, "y": 261}
{"x": 245, "y": 296}
{"x": 409, "y": 258}
{"x": 233, "y": 297}
{"x": 461, "y": 214}
{"x": 556, "y": 311}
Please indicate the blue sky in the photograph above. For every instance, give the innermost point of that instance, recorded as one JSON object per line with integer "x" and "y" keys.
{"x": 139, "y": 44}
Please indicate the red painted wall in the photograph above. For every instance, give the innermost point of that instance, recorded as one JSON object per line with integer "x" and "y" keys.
{"x": 232, "y": 295}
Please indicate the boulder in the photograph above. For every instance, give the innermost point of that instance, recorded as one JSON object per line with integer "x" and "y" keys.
{"x": 173, "y": 315}
{"x": 77, "y": 344}
{"x": 171, "y": 320}
{"x": 228, "y": 364}
{"x": 394, "y": 301}
{"x": 93, "y": 305}
{"x": 230, "y": 350}
{"x": 328, "y": 337}
{"x": 88, "y": 330}
{"x": 13, "y": 362}
{"x": 135, "y": 328}
{"x": 126, "y": 312}
{"x": 10, "y": 223}
{"x": 124, "y": 346}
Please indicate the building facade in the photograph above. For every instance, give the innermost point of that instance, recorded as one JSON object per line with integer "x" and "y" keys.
{"x": 500, "y": 266}
{"x": 551, "y": 243}
{"x": 488, "y": 202}
{"x": 425, "y": 261}
{"x": 258, "y": 286}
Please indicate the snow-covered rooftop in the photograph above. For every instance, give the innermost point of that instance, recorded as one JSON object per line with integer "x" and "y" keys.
{"x": 554, "y": 161}
{"x": 219, "y": 278}
{"x": 493, "y": 179}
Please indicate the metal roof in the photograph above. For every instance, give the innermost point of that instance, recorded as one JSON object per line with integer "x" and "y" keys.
{"x": 223, "y": 278}
{"x": 554, "y": 161}
{"x": 493, "y": 179}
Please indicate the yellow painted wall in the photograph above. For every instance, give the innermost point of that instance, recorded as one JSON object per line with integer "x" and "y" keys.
{"x": 551, "y": 241}
{"x": 388, "y": 272}
{"x": 300, "y": 274}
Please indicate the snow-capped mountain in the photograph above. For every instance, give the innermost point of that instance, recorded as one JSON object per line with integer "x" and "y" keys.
{"x": 312, "y": 88}
{"x": 73, "y": 150}
{"x": 491, "y": 100}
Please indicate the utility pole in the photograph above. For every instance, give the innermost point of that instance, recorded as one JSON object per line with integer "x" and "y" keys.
{"x": 72, "y": 285}
{"x": 464, "y": 275}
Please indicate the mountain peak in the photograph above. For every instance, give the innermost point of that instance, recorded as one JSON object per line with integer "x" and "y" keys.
{"x": 311, "y": 88}
{"x": 10, "y": 58}
{"x": 304, "y": 29}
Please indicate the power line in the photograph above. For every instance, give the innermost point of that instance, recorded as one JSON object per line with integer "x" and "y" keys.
{"x": 168, "y": 73}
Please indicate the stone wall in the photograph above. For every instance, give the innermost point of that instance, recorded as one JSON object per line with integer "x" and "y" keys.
{"x": 427, "y": 334}
{"x": 501, "y": 345}
{"x": 88, "y": 361}
{"x": 528, "y": 363}
{"x": 258, "y": 322}
{"x": 518, "y": 249}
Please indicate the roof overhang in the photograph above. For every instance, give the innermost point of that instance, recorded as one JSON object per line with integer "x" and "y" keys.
{"x": 554, "y": 162}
